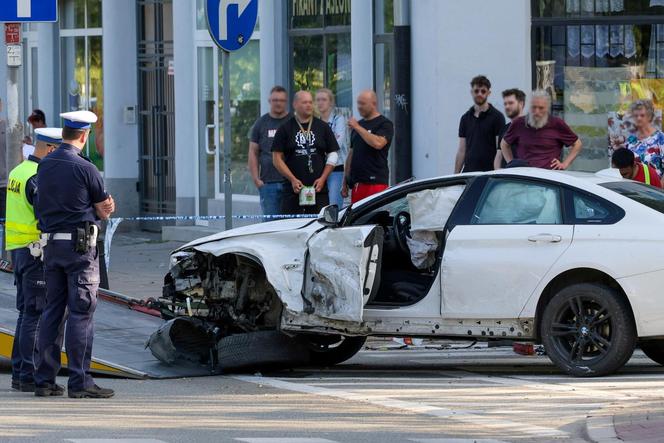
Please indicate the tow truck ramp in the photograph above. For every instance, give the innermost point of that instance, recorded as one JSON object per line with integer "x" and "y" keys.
{"x": 119, "y": 343}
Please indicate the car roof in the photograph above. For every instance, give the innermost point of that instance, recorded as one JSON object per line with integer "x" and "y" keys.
{"x": 580, "y": 179}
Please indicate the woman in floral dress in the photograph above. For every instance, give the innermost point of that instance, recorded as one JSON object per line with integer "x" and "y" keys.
{"x": 648, "y": 142}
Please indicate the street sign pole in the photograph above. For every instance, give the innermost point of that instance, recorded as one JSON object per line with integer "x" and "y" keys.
{"x": 226, "y": 97}
{"x": 231, "y": 23}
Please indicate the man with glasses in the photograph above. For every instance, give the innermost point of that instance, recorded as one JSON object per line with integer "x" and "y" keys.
{"x": 266, "y": 178}
{"x": 479, "y": 129}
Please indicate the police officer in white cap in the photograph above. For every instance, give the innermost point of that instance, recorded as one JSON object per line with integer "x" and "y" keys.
{"x": 23, "y": 242}
{"x": 69, "y": 216}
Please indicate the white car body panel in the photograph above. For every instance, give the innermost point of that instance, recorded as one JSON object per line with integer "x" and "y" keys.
{"x": 476, "y": 285}
{"x": 474, "y": 297}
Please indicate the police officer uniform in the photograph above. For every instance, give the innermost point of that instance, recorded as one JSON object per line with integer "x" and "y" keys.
{"x": 22, "y": 240}
{"x": 69, "y": 223}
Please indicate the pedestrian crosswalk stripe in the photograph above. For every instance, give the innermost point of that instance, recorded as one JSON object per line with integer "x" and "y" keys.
{"x": 455, "y": 440}
{"x": 285, "y": 440}
{"x": 417, "y": 407}
{"x": 114, "y": 440}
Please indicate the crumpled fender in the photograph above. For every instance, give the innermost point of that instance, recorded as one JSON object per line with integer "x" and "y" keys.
{"x": 282, "y": 255}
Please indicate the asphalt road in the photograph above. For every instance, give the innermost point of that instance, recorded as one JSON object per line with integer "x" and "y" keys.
{"x": 413, "y": 395}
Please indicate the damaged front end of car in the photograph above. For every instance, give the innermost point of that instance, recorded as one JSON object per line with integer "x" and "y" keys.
{"x": 206, "y": 298}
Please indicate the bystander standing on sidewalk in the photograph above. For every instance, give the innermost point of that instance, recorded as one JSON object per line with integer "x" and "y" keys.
{"x": 37, "y": 120}
{"x": 648, "y": 142}
{"x": 478, "y": 130}
{"x": 267, "y": 179}
{"x": 632, "y": 169}
{"x": 369, "y": 145}
{"x": 325, "y": 103}
{"x": 514, "y": 101}
{"x": 539, "y": 137}
{"x": 304, "y": 151}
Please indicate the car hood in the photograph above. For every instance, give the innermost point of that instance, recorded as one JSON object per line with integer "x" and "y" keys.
{"x": 258, "y": 228}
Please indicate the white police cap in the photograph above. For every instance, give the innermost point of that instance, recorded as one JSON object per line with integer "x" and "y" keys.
{"x": 51, "y": 136}
{"x": 79, "y": 119}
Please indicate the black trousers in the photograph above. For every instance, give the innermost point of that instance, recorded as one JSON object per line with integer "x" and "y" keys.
{"x": 290, "y": 202}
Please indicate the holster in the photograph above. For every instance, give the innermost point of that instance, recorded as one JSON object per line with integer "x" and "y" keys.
{"x": 86, "y": 237}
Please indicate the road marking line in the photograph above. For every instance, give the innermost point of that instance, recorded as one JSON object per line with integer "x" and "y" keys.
{"x": 455, "y": 440}
{"x": 563, "y": 388}
{"x": 285, "y": 440}
{"x": 410, "y": 406}
{"x": 114, "y": 440}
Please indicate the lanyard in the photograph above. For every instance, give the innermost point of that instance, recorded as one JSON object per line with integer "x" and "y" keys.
{"x": 309, "y": 144}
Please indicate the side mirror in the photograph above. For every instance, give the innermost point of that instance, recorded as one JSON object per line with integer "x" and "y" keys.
{"x": 329, "y": 216}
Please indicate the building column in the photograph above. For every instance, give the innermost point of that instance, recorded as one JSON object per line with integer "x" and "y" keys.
{"x": 120, "y": 91}
{"x": 184, "y": 61}
{"x": 448, "y": 54}
{"x": 48, "y": 72}
{"x": 361, "y": 38}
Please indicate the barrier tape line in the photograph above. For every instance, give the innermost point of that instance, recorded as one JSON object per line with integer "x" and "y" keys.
{"x": 208, "y": 217}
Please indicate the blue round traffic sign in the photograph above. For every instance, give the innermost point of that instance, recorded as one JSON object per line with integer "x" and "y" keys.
{"x": 231, "y": 22}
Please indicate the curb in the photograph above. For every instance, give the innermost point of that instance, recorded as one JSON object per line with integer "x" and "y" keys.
{"x": 600, "y": 428}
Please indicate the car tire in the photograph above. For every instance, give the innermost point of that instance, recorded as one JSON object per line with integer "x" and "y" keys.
{"x": 260, "y": 350}
{"x": 654, "y": 349}
{"x": 325, "y": 352}
{"x": 588, "y": 330}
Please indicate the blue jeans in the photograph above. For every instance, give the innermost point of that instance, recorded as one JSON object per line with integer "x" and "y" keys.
{"x": 270, "y": 194}
{"x": 334, "y": 182}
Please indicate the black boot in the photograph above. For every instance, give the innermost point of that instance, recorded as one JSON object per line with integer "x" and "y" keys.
{"x": 92, "y": 392}
{"x": 53, "y": 390}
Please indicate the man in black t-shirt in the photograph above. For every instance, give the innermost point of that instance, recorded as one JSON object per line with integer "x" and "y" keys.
{"x": 304, "y": 151}
{"x": 478, "y": 130}
{"x": 369, "y": 145}
{"x": 514, "y": 101}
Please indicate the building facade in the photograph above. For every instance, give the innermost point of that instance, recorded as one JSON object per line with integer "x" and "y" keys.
{"x": 152, "y": 73}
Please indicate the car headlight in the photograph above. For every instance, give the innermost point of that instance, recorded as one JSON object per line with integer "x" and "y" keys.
{"x": 178, "y": 257}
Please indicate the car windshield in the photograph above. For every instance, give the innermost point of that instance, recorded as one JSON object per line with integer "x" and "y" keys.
{"x": 650, "y": 196}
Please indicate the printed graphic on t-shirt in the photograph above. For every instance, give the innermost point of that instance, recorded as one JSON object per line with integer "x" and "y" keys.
{"x": 305, "y": 143}
{"x": 271, "y": 132}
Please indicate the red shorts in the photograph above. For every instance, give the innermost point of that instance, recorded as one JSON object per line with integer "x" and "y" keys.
{"x": 363, "y": 190}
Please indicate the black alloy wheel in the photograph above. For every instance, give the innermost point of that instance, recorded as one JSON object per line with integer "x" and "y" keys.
{"x": 588, "y": 330}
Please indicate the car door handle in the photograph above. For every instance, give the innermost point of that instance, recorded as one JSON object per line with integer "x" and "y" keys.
{"x": 545, "y": 238}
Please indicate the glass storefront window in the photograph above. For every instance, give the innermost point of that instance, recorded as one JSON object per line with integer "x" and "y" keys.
{"x": 308, "y": 63}
{"x": 321, "y": 50}
{"x": 338, "y": 66}
{"x": 245, "y": 108}
{"x": 81, "y": 67}
{"x": 594, "y": 8}
{"x": 306, "y": 14}
{"x": 383, "y": 16}
{"x": 594, "y": 71}
{"x": 383, "y": 77}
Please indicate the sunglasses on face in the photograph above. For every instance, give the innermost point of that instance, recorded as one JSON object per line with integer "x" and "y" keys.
{"x": 479, "y": 91}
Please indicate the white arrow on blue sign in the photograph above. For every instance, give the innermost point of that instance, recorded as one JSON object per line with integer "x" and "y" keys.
{"x": 231, "y": 22}
{"x": 18, "y": 11}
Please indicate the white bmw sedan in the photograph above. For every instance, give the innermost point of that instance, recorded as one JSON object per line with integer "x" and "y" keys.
{"x": 569, "y": 260}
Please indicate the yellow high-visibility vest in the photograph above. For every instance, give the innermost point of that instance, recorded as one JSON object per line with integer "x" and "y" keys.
{"x": 646, "y": 173}
{"x": 21, "y": 223}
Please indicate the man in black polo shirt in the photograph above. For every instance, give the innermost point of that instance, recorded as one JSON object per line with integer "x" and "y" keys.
{"x": 304, "y": 151}
{"x": 478, "y": 130}
{"x": 369, "y": 144}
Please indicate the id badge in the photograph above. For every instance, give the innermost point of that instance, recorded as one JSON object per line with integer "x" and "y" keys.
{"x": 308, "y": 196}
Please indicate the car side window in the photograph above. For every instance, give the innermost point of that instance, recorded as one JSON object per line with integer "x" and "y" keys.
{"x": 590, "y": 210}
{"x": 518, "y": 202}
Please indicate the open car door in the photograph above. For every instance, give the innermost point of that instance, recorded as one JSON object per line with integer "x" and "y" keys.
{"x": 342, "y": 272}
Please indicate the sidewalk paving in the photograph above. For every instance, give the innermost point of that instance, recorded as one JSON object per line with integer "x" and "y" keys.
{"x": 643, "y": 426}
{"x": 138, "y": 262}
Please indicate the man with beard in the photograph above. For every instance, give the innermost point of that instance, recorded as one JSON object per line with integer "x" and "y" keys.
{"x": 539, "y": 137}
{"x": 478, "y": 130}
{"x": 514, "y": 101}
